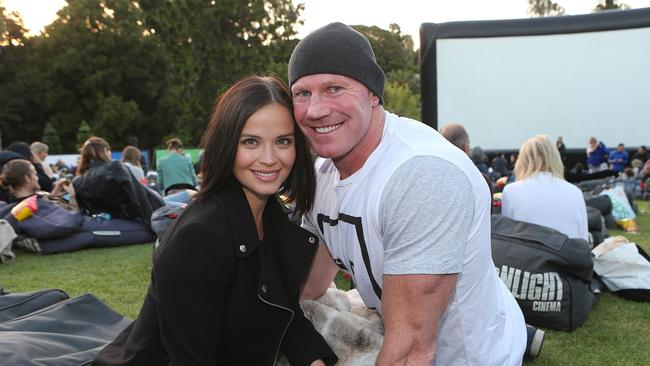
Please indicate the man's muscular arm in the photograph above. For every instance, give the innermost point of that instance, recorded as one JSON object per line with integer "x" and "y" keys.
{"x": 413, "y": 306}
{"x": 425, "y": 231}
{"x": 322, "y": 272}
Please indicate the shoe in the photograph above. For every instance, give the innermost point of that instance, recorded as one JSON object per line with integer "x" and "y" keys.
{"x": 534, "y": 341}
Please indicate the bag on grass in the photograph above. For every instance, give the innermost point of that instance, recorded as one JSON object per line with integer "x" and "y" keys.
{"x": 68, "y": 333}
{"x": 549, "y": 274}
{"x": 596, "y": 225}
{"x": 15, "y": 305}
{"x": 624, "y": 268}
{"x": 47, "y": 220}
{"x": 622, "y": 210}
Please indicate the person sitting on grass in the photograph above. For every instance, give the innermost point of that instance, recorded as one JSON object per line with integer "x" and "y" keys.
{"x": 131, "y": 158}
{"x": 227, "y": 274}
{"x": 541, "y": 195}
{"x": 175, "y": 171}
{"x": 106, "y": 186}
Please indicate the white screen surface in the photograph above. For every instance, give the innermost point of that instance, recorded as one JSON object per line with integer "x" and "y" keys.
{"x": 507, "y": 89}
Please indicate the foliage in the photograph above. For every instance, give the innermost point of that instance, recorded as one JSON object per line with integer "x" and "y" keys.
{"x": 395, "y": 54}
{"x": 136, "y": 69}
{"x": 52, "y": 140}
{"x": 400, "y": 100}
{"x": 83, "y": 133}
{"x": 113, "y": 119}
{"x": 208, "y": 45}
{"x": 19, "y": 120}
{"x": 610, "y": 5}
{"x": 12, "y": 29}
{"x": 544, "y": 8}
{"x": 96, "y": 57}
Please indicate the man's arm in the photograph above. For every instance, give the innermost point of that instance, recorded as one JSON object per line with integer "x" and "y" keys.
{"x": 412, "y": 307}
{"x": 322, "y": 272}
{"x": 425, "y": 233}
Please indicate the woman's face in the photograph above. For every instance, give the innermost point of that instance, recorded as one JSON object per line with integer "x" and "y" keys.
{"x": 266, "y": 151}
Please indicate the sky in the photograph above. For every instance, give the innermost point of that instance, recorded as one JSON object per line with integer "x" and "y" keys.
{"x": 409, "y": 14}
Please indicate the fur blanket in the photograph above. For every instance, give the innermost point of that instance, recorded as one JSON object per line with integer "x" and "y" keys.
{"x": 354, "y": 332}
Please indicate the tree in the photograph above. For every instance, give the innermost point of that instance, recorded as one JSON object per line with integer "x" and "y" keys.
{"x": 208, "y": 45}
{"x": 544, "y": 8}
{"x": 12, "y": 29}
{"x": 98, "y": 52}
{"x": 52, "y": 140}
{"x": 393, "y": 50}
{"x": 83, "y": 133}
{"x": 113, "y": 119}
{"x": 394, "y": 53}
{"x": 16, "y": 81}
{"x": 610, "y": 5}
{"x": 399, "y": 99}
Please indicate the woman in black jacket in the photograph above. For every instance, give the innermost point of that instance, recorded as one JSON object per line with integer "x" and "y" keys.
{"x": 226, "y": 277}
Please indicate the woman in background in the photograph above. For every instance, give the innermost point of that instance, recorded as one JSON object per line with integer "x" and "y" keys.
{"x": 106, "y": 186}
{"x": 94, "y": 152}
{"x": 131, "y": 158}
{"x": 227, "y": 274}
{"x": 540, "y": 195}
{"x": 20, "y": 179}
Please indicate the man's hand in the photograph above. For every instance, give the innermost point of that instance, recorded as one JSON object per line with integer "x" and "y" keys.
{"x": 412, "y": 308}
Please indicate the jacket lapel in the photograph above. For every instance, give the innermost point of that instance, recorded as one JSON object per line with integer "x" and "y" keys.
{"x": 240, "y": 219}
{"x": 290, "y": 250}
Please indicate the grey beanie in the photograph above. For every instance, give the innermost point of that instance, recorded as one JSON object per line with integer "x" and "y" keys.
{"x": 337, "y": 49}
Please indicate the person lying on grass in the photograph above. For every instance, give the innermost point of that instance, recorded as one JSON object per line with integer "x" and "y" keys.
{"x": 20, "y": 179}
{"x": 227, "y": 274}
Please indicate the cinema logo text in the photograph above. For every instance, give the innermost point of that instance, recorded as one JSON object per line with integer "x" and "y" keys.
{"x": 543, "y": 289}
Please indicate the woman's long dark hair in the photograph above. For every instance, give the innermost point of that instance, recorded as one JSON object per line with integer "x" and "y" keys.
{"x": 220, "y": 140}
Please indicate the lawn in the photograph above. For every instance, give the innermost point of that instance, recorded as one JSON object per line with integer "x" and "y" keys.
{"x": 617, "y": 331}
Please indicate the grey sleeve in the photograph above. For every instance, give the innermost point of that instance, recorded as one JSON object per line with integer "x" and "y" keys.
{"x": 426, "y": 211}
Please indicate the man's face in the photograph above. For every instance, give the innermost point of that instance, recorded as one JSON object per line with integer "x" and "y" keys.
{"x": 620, "y": 147}
{"x": 334, "y": 112}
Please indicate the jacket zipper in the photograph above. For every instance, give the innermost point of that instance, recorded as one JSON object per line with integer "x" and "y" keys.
{"x": 277, "y": 350}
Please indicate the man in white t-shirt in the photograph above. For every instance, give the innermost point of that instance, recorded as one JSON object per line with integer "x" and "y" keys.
{"x": 401, "y": 210}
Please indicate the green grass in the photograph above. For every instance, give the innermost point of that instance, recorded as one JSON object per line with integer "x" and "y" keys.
{"x": 118, "y": 276}
{"x": 617, "y": 331}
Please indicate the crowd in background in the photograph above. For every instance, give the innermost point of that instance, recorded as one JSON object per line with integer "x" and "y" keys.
{"x": 617, "y": 162}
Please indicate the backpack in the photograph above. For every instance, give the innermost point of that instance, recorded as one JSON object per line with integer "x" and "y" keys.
{"x": 550, "y": 275}
{"x": 624, "y": 268}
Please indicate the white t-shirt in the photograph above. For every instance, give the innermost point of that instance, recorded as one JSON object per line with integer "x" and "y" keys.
{"x": 546, "y": 200}
{"x": 138, "y": 173}
{"x": 419, "y": 206}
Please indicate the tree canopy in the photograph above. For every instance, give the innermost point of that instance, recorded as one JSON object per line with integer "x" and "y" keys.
{"x": 143, "y": 69}
{"x": 543, "y": 8}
